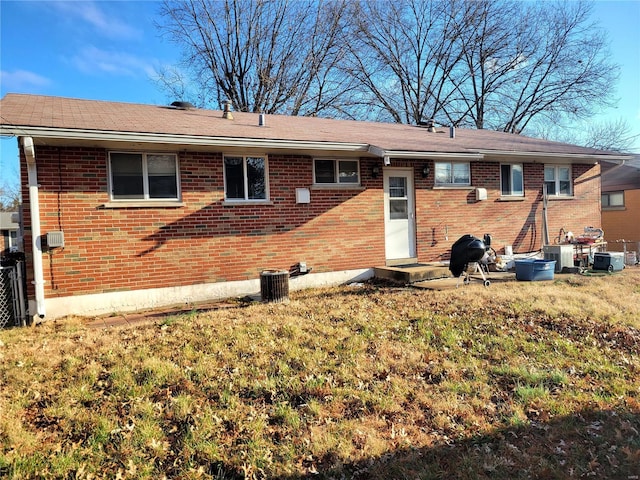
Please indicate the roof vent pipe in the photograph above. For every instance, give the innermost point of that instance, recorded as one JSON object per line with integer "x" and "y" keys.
{"x": 261, "y": 120}
{"x": 180, "y": 105}
{"x": 431, "y": 125}
{"x": 227, "y": 110}
{"x": 452, "y": 132}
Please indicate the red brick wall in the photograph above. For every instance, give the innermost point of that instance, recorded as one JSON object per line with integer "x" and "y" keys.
{"x": 444, "y": 215}
{"x": 109, "y": 249}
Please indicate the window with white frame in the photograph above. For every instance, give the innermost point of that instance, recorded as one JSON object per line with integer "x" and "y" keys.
{"x": 143, "y": 176}
{"x": 245, "y": 178}
{"x": 612, "y": 199}
{"x": 511, "y": 179}
{"x": 452, "y": 173}
{"x": 557, "y": 178}
{"x": 336, "y": 171}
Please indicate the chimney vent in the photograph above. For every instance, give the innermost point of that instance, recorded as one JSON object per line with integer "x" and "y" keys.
{"x": 227, "y": 111}
{"x": 452, "y": 131}
{"x": 261, "y": 120}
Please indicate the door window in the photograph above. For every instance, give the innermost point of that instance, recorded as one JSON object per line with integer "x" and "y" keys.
{"x": 398, "y": 200}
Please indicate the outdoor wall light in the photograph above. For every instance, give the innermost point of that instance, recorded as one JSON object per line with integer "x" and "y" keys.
{"x": 375, "y": 171}
{"x": 425, "y": 171}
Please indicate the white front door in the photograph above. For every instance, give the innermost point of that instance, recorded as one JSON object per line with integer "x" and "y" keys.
{"x": 399, "y": 214}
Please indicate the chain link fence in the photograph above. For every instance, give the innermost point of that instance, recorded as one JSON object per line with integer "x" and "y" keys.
{"x": 13, "y": 311}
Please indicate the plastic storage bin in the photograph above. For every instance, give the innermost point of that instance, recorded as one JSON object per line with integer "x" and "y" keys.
{"x": 611, "y": 261}
{"x": 534, "y": 270}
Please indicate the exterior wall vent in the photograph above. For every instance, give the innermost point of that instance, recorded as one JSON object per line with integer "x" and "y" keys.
{"x": 55, "y": 239}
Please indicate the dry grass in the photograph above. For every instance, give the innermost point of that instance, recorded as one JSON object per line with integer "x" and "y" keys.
{"x": 520, "y": 380}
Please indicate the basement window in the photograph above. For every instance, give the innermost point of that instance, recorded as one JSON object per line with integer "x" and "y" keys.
{"x": 143, "y": 176}
{"x": 245, "y": 178}
{"x": 336, "y": 172}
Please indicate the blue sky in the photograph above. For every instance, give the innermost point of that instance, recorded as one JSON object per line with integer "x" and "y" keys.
{"x": 110, "y": 50}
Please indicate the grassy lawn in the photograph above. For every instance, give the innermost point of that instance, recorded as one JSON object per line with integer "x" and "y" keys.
{"x": 519, "y": 380}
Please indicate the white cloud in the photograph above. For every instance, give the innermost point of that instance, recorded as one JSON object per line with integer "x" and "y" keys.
{"x": 22, "y": 80}
{"x": 92, "y": 14}
{"x": 93, "y": 60}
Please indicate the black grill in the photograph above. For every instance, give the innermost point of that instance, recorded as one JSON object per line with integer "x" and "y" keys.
{"x": 468, "y": 250}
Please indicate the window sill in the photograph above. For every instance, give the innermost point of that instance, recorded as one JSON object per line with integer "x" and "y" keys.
{"x": 240, "y": 203}
{"x": 614, "y": 209}
{"x": 336, "y": 186}
{"x": 511, "y": 198}
{"x": 453, "y": 187}
{"x": 561, "y": 197}
{"x": 144, "y": 204}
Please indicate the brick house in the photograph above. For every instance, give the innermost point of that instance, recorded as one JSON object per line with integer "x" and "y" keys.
{"x": 621, "y": 204}
{"x": 137, "y": 206}
{"x": 9, "y": 232}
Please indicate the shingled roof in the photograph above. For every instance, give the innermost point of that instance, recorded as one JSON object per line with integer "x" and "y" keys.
{"x": 69, "y": 118}
{"x": 621, "y": 177}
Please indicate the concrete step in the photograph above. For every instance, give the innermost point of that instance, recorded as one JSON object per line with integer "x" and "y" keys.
{"x": 412, "y": 273}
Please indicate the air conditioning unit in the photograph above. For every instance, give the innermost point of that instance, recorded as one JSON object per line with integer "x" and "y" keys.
{"x": 562, "y": 254}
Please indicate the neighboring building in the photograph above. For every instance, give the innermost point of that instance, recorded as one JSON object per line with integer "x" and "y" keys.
{"x": 621, "y": 204}
{"x": 10, "y": 232}
{"x": 137, "y": 206}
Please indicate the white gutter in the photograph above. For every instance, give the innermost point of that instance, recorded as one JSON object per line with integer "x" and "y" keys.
{"x": 34, "y": 204}
{"x": 588, "y": 157}
{"x": 270, "y": 143}
{"x": 613, "y": 169}
{"x": 178, "y": 139}
{"x": 382, "y": 153}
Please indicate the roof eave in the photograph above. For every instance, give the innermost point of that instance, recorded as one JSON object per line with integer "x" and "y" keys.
{"x": 556, "y": 156}
{"x": 421, "y": 155}
{"x": 224, "y": 142}
{"x": 44, "y": 133}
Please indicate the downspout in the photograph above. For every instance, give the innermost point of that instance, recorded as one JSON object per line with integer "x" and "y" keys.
{"x": 613, "y": 169}
{"x": 36, "y": 240}
{"x": 545, "y": 223}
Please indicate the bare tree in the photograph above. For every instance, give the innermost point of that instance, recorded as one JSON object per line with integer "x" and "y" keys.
{"x": 498, "y": 64}
{"x": 565, "y": 68}
{"x": 612, "y": 135}
{"x": 9, "y": 197}
{"x": 264, "y": 55}
{"x": 401, "y": 56}
{"x": 492, "y": 49}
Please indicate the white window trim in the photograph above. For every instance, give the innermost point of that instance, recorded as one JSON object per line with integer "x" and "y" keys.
{"x": 247, "y": 201}
{"x": 511, "y": 193}
{"x": 337, "y": 183}
{"x": 452, "y": 185}
{"x": 557, "y": 181}
{"x": 145, "y": 181}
